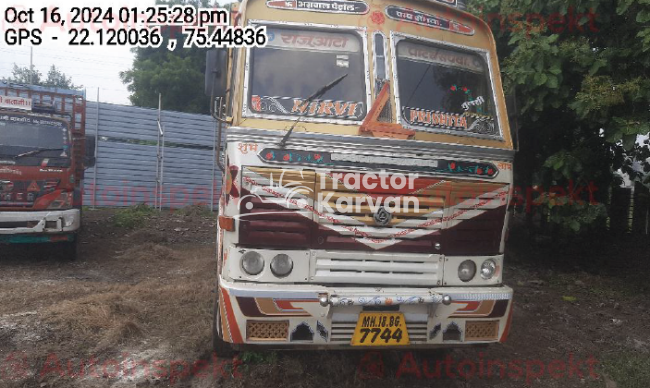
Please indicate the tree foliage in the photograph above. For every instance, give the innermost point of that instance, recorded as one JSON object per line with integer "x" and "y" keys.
{"x": 176, "y": 75}
{"x": 580, "y": 71}
{"x": 55, "y": 78}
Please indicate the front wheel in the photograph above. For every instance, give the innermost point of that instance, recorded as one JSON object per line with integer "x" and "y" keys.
{"x": 221, "y": 348}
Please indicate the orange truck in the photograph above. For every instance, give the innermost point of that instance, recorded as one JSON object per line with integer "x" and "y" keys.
{"x": 367, "y": 172}
{"x": 42, "y": 140}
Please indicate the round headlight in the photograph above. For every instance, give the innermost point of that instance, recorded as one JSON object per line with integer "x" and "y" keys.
{"x": 466, "y": 270}
{"x": 488, "y": 269}
{"x": 252, "y": 263}
{"x": 281, "y": 265}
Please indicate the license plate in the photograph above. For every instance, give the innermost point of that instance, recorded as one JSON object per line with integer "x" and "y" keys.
{"x": 380, "y": 329}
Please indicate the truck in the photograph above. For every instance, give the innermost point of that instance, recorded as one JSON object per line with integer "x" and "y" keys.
{"x": 42, "y": 153}
{"x": 368, "y": 167}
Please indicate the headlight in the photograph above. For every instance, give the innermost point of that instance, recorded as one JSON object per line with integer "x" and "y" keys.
{"x": 252, "y": 263}
{"x": 281, "y": 265}
{"x": 64, "y": 201}
{"x": 488, "y": 269}
{"x": 466, "y": 270}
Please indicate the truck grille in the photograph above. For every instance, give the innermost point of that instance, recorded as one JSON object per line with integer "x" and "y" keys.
{"x": 296, "y": 209}
{"x": 268, "y": 217}
{"x": 409, "y": 229}
{"x": 375, "y": 268}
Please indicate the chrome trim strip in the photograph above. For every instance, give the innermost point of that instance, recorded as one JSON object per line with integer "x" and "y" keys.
{"x": 335, "y": 300}
{"x": 360, "y": 31}
{"x": 369, "y": 145}
{"x": 395, "y": 38}
{"x": 374, "y": 58}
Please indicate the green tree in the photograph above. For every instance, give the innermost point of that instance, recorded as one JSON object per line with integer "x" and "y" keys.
{"x": 580, "y": 71}
{"x": 58, "y": 79}
{"x": 176, "y": 75}
{"x": 24, "y": 75}
{"x": 55, "y": 78}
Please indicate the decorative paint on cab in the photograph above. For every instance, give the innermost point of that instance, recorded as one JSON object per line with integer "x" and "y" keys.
{"x": 335, "y": 6}
{"x": 409, "y": 15}
{"x": 467, "y": 122}
{"x": 452, "y": 167}
{"x": 350, "y": 110}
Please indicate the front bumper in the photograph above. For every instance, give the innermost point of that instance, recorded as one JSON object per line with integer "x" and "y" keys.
{"x": 39, "y": 222}
{"x": 309, "y": 315}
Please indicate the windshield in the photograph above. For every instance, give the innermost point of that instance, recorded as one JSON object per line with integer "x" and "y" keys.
{"x": 20, "y": 134}
{"x": 445, "y": 90}
{"x": 297, "y": 63}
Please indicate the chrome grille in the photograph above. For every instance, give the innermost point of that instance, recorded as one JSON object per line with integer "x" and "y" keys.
{"x": 375, "y": 268}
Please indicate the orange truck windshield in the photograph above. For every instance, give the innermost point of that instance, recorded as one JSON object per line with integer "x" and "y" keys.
{"x": 298, "y": 62}
{"x": 445, "y": 89}
{"x": 29, "y": 139}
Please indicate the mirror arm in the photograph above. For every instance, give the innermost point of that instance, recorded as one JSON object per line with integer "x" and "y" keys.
{"x": 220, "y": 122}
{"x": 215, "y": 115}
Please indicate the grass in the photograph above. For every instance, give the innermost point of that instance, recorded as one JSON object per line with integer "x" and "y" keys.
{"x": 597, "y": 285}
{"x": 174, "y": 310}
{"x": 133, "y": 217}
{"x": 250, "y": 357}
{"x": 628, "y": 370}
{"x": 196, "y": 211}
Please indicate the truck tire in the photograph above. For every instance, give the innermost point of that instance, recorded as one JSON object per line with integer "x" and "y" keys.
{"x": 220, "y": 347}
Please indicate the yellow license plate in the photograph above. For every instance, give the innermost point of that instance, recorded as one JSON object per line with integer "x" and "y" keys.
{"x": 380, "y": 329}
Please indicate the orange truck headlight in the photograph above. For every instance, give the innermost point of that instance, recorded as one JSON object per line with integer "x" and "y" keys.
{"x": 64, "y": 201}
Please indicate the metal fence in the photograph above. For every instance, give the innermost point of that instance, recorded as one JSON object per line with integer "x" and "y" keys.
{"x": 135, "y": 165}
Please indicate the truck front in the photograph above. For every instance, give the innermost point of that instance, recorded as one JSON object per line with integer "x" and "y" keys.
{"x": 367, "y": 176}
{"x": 39, "y": 195}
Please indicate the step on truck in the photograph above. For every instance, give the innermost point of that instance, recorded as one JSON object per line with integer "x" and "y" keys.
{"x": 367, "y": 173}
{"x": 42, "y": 141}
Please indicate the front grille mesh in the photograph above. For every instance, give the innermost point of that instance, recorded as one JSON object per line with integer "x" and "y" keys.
{"x": 267, "y": 330}
{"x": 481, "y": 330}
{"x": 376, "y": 268}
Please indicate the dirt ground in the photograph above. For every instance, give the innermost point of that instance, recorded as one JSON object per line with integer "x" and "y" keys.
{"x": 135, "y": 311}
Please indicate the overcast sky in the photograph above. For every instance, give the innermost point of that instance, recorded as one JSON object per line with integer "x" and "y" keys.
{"x": 93, "y": 67}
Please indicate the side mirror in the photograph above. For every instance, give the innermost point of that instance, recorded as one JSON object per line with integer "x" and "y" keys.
{"x": 513, "y": 118}
{"x": 216, "y": 65}
{"x": 89, "y": 157}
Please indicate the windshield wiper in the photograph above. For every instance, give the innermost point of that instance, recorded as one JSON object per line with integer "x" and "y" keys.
{"x": 38, "y": 151}
{"x": 319, "y": 93}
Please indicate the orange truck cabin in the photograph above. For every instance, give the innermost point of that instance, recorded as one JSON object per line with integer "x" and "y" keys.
{"x": 367, "y": 172}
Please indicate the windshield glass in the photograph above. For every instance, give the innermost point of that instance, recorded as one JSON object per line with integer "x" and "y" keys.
{"x": 445, "y": 90}
{"x": 20, "y": 134}
{"x": 297, "y": 63}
